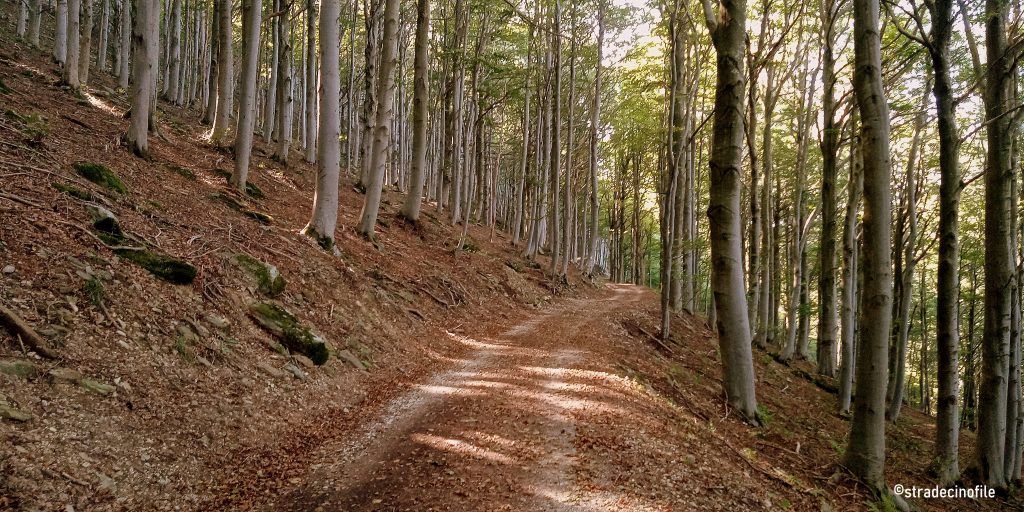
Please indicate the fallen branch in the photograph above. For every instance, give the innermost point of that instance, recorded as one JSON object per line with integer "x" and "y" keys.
{"x": 19, "y": 328}
{"x": 19, "y": 199}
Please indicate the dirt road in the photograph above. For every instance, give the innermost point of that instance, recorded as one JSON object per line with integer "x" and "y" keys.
{"x": 495, "y": 432}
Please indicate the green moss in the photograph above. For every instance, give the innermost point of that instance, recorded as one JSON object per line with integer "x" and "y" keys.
{"x": 235, "y": 204}
{"x": 187, "y": 174}
{"x": 222, "y": 173}
{"x": 293, "y": 335}
{"x": 165, "y": 267}
{"x": 73, "y": 191}
{"x": 94, "y": 291}
{"x": 267, "y": 277}
{"x": 325, "y": 242}
{"x": 100, "y": 175}
{"x": 3, "y": 88}
{"x": 254, "y": 191}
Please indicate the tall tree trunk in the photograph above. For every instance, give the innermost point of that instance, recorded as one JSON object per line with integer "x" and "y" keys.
{"x": 225, "y": 74}
{"x": 285, "y": 103}
{"x": 947, "y": 312}
{"x": 382, "y": 124}
{"x": 173, "y": 53}
{"x": 728, "y": 31}
{"x": 865, "y": 453}
{"x": 556, "y": 130}
{"x": 595, "y": 121}
{"x": 143, "y": 74}
{"x": 325, "y": 200}
{"x": 71, "y": 65}
{"x": 310, "y": 84}
{"x": 995, "y": 344}
{"x": 35, "y": 12}
{"x": 104, "y": 42}
{"x": 421, "y": 70}
{"x": 849, "y": 312}
{"x": 898, "y": 349}
{"x": 252, "y": 13}
{"x": 60, "y": 34}
{"x": 827, "y": 317}
{"x": 124, "y": 60}
{"x": 85, "y": 41}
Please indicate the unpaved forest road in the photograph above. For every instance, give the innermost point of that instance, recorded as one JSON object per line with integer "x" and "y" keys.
{"x": 494, "y": 432}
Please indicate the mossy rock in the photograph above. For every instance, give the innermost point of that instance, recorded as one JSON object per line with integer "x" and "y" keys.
{"x": 105, "y": 222}
{"x": 267, "y": 277}
{"x": 293, "y": 335}
{"x": 73, "y": 191}
{"x": 100, "y": 175}
{"x": 185, "y": 173}
{"x": 254, "y": 191}
{"x": 19, "y": 368}
{"x": 164, "y": 267}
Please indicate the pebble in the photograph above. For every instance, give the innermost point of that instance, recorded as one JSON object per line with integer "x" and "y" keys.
{"x": 9, "y": 269}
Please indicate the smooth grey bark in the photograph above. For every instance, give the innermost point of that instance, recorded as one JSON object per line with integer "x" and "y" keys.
{"x": 252, "y": 13}
{"x": 225, "y": 74}
{"x": 995, "y": 344}
{"x": 21, "y": 25}
{"x": 865, "y": 452}
{"x": 595, "y": 121}
{"x": 173, "y": 53}
{"x": 898, "y": 349}
{"x": 310, "y": 83}
{"x": 848, "y": 320}
{"x": 143, "y": 75}
{"x": 383, "y": 117}
{"x": 421, "y": 95}
{"x": 272, "y": 98}
{"x": 210, "y": 108}
{"x": 104, "y": 41}
{"x": 555, "y": 146}
{"x": 35, "y": 11}
{"x": 60, "y": 34}
{"x": 71, "y": 65}
{"x": 324, "y": 219}
{"x": 947, "y": 314}
{"x": 124, "y": 55}
{"x": 828, "y": 318}
{"x": 285, "y": 100}
{"x": 85, "y": 41}
{"x": 728, "y": 31}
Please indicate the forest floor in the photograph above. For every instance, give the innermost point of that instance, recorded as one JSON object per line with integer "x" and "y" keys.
{"x": 461, "y": 378}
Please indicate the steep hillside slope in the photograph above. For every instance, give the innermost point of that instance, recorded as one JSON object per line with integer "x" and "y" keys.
{"x": 159, "y": 386}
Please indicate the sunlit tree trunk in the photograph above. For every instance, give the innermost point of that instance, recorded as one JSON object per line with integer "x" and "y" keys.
{"x": 310, "y": 83}
{"x": 251, "y": 14}
{"x": 728, "y": 30}
{"x": 85, "y": 41}
{"x": 71, "y": 65}
{"x": 143, "y": 75}
{"x": 60, "y": 35}
{"x": 225, "y": 74}
{"x": 325, "y": 200}
{"x": 421, "y": 70}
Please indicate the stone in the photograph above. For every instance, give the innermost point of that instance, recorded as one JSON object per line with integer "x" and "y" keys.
{"x": 10, "y": 413}
{"x": 96, "y": 386}
{"x": 218, "y": 321}
{"x": 304, "y": 361}
{"x": 65, "y": 375}
{"x": 19, "y": 368}
{"x": 289, "y": 330}
{"x": 351, "y": 358}
{"x": 270, "y": 370}
{"x": 9, "y": 269}
{"x": 296, "y": 371}
{"x": 185, "y": 332}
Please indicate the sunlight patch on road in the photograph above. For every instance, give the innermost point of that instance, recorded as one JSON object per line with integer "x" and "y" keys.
{"x": 436, "y": 389}
{"x": 462, "y": 448}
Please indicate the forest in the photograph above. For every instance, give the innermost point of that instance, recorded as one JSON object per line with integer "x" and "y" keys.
{"x": 831, "y": 187}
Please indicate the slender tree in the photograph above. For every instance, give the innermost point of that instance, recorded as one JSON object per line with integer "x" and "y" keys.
{"x": 421, "y": 69}
{"x": 252, "y": 14}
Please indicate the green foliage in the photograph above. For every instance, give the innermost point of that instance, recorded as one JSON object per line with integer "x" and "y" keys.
{"x": 100, "y": 175}
{"x": 73, "y": 191}
{"x": 184, "y": 349}
{"x": 33, "y": 126}
{"x": 764, "y": 415}
{"x": 94, "y": 291}
{"x": 164, "y": 267}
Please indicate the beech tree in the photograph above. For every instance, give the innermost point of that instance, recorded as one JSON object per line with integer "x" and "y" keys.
{"x": 727, "y": 27}
{"x": 252, "y": 14}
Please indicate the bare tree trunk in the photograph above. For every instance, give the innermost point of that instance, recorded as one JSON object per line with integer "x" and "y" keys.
{"x": 947, "y": 314}
{"x": 827, "y": 317}
{"x": 252, "y": 14}
{"x": 173, "y": 53}
{"x": 124, "y": 56}
{"x": 21, "y": 27}
{"x": 384, "y": 115}
{"x": 325, "y": 201}
{"x": 310, "y": 83}
{"x": 71, "y": 65}
{"x": 995, "y": 345}
{"x": 421, "y": 95}
{"x": 225, "y": 74}
{"x": 285, "y": 103}
{"x": 849, "y": 316}
{"x": 727, "y": 27}
{"x": 143, "y": 74}
{"x": 865, "y": 453}
{"x": 104, "y": 42}
{"x": 595, "y": 122}
{"x": 60, "y": 35}
{"x": 85, "y": 42}
{"x": 556, "y": 129}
